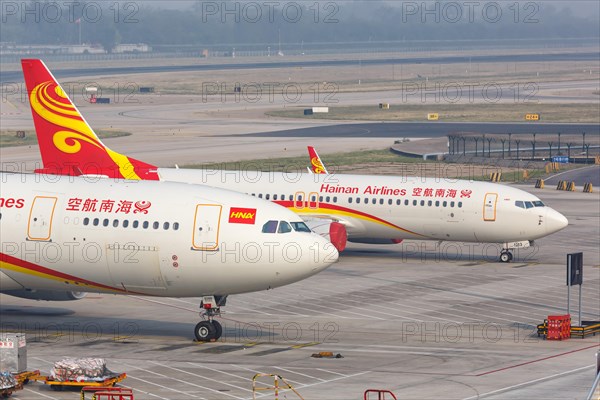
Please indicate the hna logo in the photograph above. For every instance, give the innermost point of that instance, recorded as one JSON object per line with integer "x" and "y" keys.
{"x": 242, "y": 215}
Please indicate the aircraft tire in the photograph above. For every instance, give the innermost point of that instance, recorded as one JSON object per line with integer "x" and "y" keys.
{"x": 218, "y": 329}
{"x": 205, "y": 331}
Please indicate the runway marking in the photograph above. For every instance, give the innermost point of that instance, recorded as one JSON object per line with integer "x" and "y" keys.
{"x": 206, "y": 378}
{"x": 301, "y": 386}
{"x": 269, "y": 351}
{"x": 315, "y": 305}
{"x": 331, "y": 372}
{"x": 143, "y": 391}
{"x": 162, "y": 387}
{"x": 40, "y": 394}
{"x": 538, "y": 360}
{"x": 299, "y": 373}
{"x": 277, "y": 310}
{"x": 332, "y": 380}
{"x": 259, "y": 372}
{"x": 219, "y": 371}
{"x": 462, "y": 292}
{"x": 279, "y": 305}
{"x": 361, "y": 301}
{"x": 403, "y": 304}
{"x": 504, "y": 389}
{"x": 302, "y": 345}
{"x": 223, "y": 349}
{"x": 170, "y": 379}
{"x": 247, "y": 369}
{"x": 254, "y": 310}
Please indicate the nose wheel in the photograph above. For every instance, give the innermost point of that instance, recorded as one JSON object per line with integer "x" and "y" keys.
{"x": 506, "y": 256}
{"x": 206, "y": 331}
{"x": 210, "y": 330}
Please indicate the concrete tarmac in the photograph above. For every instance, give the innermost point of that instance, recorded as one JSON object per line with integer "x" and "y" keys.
{"x": 422, "y": 320}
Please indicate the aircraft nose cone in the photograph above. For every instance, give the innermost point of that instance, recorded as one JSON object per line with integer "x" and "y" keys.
{"x": 328, "y": 253}
{"x": 309, "y": 255}
{"x": 555, "y": 221}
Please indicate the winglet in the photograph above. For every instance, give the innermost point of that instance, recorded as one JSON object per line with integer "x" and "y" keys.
{"x": 68, "y": 145}
{"x": 316, "y": 164}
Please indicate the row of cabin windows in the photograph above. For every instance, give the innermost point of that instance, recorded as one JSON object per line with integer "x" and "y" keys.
{"x": 134, "y": 224}
{"x": 282, "y": 197}
{"x": 390, "y": 202}
{"x": 407, "y": 202}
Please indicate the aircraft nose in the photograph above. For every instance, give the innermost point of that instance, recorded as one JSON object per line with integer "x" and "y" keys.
{"x": 555, "y": 221}
{"x": 306, "y": 256}
{"x": 326, "y": 255}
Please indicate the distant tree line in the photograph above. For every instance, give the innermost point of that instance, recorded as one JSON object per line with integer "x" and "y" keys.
{"x": 228, "y": 22}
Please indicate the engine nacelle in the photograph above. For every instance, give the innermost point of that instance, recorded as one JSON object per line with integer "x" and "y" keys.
{"x": 330, "y": 230}
{"x": 48, "y": 295}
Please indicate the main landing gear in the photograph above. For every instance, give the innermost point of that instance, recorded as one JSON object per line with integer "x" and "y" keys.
{"x": 210, "y": 330}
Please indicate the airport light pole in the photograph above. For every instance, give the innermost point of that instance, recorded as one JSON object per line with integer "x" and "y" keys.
{"x": 587, "y": 153}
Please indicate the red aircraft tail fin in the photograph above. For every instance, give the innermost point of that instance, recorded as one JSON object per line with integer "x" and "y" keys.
{"x": 68, "y": 145}
{"x": 316, "y": 165}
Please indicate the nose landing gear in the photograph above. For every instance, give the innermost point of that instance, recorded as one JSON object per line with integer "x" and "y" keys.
{"x": 506, "y": 254}
{"x": 210, "y": 330}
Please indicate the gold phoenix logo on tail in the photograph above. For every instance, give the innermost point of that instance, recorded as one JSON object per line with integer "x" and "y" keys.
{"x": 58, "y": 110}
{"x": 317, "y": 165}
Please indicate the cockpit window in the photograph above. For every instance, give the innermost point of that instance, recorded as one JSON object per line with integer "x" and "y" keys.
{"x": 284, "y": 227}
{"x": 269, "y": 227}
{"x": 300, "y": 227}
{"x": 529, "y": 204}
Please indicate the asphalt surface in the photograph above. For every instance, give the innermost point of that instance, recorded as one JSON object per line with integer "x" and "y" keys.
{"x": 17, "y": 76}
{"x": 580, "y": 176}
{"x": 424, "y": 320}
{"x": 429, "y": 129}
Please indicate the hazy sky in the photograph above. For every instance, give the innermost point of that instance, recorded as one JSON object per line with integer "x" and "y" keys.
{"x": 578, "y": 7}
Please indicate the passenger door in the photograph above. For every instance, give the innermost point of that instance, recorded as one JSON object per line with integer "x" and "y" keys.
{"x": 489, "y": 206}
{"x": 207, "y": 222}
{"x": 39, "y": 226}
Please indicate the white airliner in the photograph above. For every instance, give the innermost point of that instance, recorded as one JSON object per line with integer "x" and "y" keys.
{"x": 63, "y": 236}
{"x": 373, "y": 209}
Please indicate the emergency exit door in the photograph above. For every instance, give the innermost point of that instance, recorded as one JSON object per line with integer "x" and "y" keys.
{"x": 41, "y": 215}
{"x": 489, "y": 207}
{"x": 207, "y": 222}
